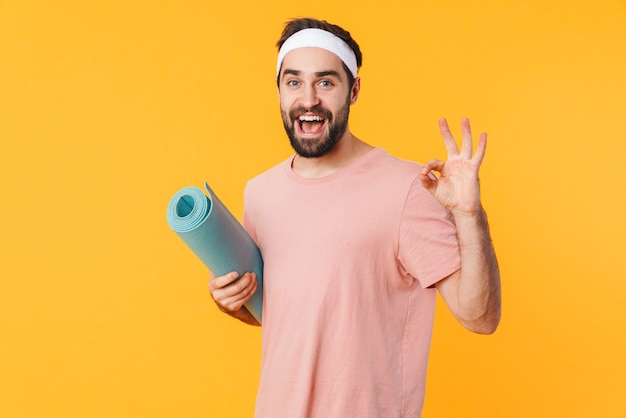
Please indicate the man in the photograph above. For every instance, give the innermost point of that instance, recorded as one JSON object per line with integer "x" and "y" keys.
{"x": 356, "y": 243}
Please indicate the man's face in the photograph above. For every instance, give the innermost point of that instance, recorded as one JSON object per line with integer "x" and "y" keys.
{"x": 315, "y": 100}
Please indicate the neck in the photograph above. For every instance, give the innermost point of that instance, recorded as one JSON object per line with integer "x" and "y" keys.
{"x": 348, "y": 149}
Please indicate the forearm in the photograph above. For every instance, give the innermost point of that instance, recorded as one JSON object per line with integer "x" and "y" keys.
{"x": 477, "y": 288}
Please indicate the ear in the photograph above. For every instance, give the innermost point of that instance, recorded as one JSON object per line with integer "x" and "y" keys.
{"x": 356, "y": 89}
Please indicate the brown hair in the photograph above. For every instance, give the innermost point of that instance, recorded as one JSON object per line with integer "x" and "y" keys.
{"x": 296, "y": 25}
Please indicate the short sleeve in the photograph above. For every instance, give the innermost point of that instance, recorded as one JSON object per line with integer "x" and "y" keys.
{"x": 428, "y": 247}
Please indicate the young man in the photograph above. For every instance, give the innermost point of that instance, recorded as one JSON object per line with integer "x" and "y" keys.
{"x": 356, "y": 243}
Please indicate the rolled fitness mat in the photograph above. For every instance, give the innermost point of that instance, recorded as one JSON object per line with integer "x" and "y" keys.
{"x": 216, "y": 237}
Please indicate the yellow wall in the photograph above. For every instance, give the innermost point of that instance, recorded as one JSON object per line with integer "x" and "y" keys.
{"x": 108, "y": 107}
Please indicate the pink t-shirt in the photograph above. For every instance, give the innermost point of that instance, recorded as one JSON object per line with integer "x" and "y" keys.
{"x": 348, "y": 305}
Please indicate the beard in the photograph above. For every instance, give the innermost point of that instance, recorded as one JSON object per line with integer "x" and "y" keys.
{"x": 320, "y": 146}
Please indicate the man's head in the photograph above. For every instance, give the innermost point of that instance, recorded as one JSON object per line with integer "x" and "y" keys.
{"x": 317, "y": 83}
{"x": 297, "y": 25}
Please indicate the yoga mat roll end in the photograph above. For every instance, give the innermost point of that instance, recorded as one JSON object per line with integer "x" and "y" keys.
{"x": 216, "y": 237}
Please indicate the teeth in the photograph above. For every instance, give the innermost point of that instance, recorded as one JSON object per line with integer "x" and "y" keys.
{"x": 311, "y": 118}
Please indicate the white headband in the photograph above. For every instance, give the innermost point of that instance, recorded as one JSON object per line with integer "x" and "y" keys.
{"x": 318, "y": 38}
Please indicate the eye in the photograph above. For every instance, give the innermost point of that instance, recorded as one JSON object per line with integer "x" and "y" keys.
{"x": 293, "y": 83}
{"x": 325, "y": 83}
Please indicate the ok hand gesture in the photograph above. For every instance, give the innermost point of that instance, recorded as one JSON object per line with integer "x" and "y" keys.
{"x": 456, "y": 187}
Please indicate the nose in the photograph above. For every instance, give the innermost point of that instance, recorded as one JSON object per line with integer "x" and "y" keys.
{"x": 309, "y": 96}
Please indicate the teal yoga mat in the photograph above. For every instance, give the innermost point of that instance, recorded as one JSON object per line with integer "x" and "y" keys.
{"x": 216, "y": 237}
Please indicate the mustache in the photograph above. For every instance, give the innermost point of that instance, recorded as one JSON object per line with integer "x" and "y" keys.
{"x": 318, "y": 110}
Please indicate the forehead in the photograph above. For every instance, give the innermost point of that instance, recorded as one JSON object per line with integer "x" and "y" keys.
{"x": 312, "y": 60}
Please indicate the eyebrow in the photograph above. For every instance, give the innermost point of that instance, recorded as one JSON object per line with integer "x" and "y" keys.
{"x": 326, "y": 73}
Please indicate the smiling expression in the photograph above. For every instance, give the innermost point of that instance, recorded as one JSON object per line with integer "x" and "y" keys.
{"x": 315, "y": 100}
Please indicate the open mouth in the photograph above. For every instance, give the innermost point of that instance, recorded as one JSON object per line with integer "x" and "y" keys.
{"x": 311, "y": 124}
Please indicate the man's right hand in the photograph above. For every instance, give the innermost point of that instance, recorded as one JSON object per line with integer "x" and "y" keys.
{"x": 230, "y": 292}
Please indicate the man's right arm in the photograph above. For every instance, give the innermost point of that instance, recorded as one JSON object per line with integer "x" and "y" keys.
{"x": 230, "y": 293}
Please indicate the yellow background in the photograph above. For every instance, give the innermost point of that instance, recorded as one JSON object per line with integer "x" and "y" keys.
{"x": 108, "y": 107}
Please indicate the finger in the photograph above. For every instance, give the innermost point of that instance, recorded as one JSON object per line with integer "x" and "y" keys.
{"x": 481, "y": 149}
{"x": 427, "y": 177}
{"x": 218, "y": 282}
{"x": 234, "y": 302}
{"x": 242, "y": 297}
{"x": 433, "y": 165}
{"x": 448, "y": 139}
{"x": 231, "y": 290}
{"x": 239, "y": 285}
{"x": 466, "y": 144}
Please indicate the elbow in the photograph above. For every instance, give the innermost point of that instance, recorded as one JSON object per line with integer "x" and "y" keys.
{"x": 485, "y": 327}
{"x": 484, "y": 318}
{"x": 485, "y": 324}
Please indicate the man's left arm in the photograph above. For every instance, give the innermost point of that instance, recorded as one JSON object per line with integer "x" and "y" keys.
{"x": 472, "y": 293}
